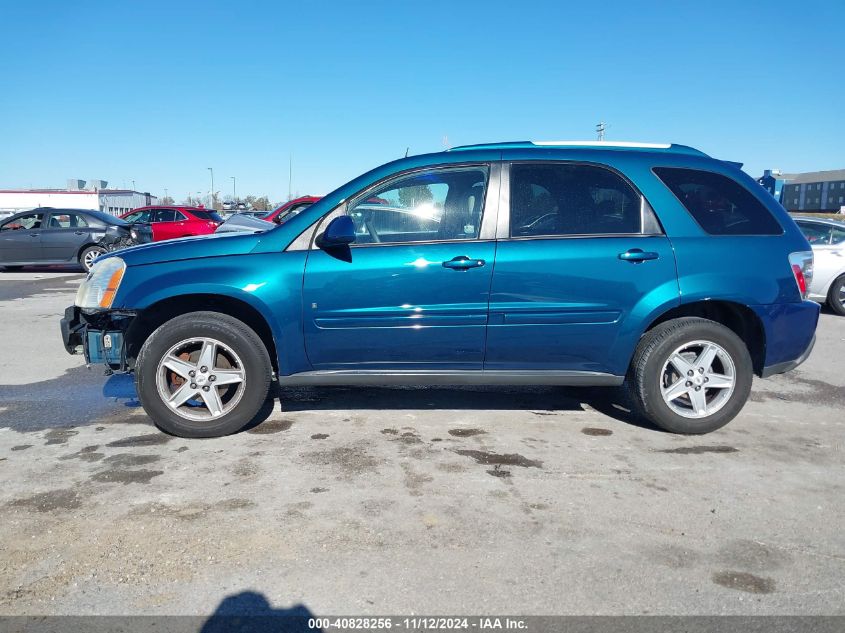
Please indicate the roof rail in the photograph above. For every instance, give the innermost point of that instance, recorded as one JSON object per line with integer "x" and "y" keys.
{"x": 627, "y": 145}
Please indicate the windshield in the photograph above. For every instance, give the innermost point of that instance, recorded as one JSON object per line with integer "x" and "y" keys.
{"x": 289, "y": 213}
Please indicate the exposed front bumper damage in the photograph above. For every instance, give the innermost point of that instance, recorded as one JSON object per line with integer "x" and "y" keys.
{"x": 98, "y": 334}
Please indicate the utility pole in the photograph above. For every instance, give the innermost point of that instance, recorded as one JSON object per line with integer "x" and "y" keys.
{"x": 165, "y": 192}
{"x": 600, "y": 129}
{"x": 133, "y": 185}
{"x": 211, "y": 197}
{"x": 234, "y": 191}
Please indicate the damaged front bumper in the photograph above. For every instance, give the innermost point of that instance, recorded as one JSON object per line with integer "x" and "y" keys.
{"x": 98, "y": 334}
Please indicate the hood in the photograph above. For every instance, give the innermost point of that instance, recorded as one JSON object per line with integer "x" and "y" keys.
{"x": 215, "y": 245}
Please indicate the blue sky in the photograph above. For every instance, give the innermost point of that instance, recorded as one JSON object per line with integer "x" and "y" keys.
{"x": 156, "y": 92}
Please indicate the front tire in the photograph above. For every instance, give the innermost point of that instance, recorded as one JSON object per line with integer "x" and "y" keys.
{"x": 203, "y": 374}
{"x": 836, "y": 296}
{"x": 690, "y": 376}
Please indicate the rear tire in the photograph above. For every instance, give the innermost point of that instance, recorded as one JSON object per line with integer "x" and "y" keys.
{"x": 664, "y": 392}
{"x": 836, "y": 296}
{"x": 228, "y": 387}
{"x": 88, "y": 255}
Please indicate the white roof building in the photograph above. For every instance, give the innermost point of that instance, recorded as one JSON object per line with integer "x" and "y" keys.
{"x": 94, "y": 196}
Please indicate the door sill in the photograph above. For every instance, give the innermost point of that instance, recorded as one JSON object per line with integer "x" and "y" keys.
{"x": 408, "y": 377}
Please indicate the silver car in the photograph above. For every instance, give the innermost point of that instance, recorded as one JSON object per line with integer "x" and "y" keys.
{"x": 827, "y": 237}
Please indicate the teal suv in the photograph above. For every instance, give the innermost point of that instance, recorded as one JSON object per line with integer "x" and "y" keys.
{"x": 653, "y": 266}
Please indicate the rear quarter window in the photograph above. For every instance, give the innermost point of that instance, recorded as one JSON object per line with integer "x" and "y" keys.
{"x": 719, "y": 204}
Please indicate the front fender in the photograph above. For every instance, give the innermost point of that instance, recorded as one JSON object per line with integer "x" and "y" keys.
{"x": 270, "y": 283}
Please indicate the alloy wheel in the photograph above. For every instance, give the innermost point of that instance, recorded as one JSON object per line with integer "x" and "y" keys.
{"x": 698, "y": 379}
{"x": 200, "y": 379}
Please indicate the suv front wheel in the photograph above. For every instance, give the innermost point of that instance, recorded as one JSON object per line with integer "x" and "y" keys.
{"x": 690, "y": 375}
{"x": 203, "y": 374}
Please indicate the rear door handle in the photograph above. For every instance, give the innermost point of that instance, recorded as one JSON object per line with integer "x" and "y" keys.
{"x": 79, "y": 232}
{"x": 637, "y": 255}
{"x": 462, "y": 262}
{"x": 34, "y": 234}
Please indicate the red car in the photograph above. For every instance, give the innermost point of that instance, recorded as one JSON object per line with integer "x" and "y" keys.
{"x": 170, "y": 222}
{"x": 290, "y": 209}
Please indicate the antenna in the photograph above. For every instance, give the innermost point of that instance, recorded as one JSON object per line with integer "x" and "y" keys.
{"x": 600, "y": 130}
{"x": 407, "y": 149}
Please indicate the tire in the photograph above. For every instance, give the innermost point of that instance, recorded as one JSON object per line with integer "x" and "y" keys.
{"x": 836, "y": 296}
{"x": 655, "y": 367}
{"x": 88, "y": 255}
{"x": 238, "y": 350}
{"x": 12, "y": 269}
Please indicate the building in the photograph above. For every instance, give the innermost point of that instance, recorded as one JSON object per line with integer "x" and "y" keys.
{"x": 79, "y": 194}
{"x": 810, "y": 192}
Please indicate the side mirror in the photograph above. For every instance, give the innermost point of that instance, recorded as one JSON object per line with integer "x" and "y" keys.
{"x": 277, "y": 219}
{"x": 339, "y": 232}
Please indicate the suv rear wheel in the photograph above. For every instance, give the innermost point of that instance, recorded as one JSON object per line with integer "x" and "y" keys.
{"x": 203, "y": 374}
{"x": 690, "y": 375}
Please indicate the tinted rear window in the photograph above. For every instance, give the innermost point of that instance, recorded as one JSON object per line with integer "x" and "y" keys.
{"x": 206, "y": 215}
{"x": 719, "y": 204}
{"x": 107, "y": 218}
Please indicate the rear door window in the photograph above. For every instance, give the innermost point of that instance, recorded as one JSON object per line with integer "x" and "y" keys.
{"x": 203, "y": 214}
{"x": 164, "y": 215}
{"x": 560, "y": 199}
{"x": 720, "y": 205}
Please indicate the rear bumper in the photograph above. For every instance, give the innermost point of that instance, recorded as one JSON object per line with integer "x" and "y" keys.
{"x": 790, "y": 330}
{"x": 789, "y": 365}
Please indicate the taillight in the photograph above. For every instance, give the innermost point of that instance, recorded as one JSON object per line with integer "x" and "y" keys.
{"x": 802, "y": 269}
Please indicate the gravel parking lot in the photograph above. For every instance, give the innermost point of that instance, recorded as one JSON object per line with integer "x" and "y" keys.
{"x": 400, "y": 501}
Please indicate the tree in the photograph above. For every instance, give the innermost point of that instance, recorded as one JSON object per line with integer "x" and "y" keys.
{"x": 166, "y": 200}
{"x": 410, "y": 197}
{"x": 261, "y": 204}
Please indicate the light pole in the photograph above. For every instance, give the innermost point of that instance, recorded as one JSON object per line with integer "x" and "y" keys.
{"x": 234, "y": 191}
{"x": 212, "y": 187}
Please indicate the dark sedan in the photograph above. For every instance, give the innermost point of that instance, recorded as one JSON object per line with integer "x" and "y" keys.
{"x": 63, "y": 236}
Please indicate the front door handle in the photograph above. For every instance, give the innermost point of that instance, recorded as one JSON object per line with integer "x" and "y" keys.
{"x": 79, "y": 232}
{"x": 462, "y": 262}
{"x": 637, "y": 255}
{"x": 34, "y": 234}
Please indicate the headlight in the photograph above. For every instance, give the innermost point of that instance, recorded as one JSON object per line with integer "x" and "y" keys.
{"x": 100, "y": 286}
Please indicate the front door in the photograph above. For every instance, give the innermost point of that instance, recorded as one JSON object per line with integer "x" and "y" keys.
{"x": 65, "y": 233}
{"x": 20, "y": 239}
{"x": 412, "y": 291}
{"x": 583, "y": 264}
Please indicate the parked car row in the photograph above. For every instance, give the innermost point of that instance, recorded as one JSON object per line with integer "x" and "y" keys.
{"x": 64, "y": 236}
{"x": 652, "y": 266}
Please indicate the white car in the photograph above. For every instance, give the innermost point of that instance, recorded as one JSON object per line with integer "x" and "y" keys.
{"x": 827, "y": 237}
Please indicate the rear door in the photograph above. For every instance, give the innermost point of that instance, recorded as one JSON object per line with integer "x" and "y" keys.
{"x": 20, "y": 239}
{"x": 581, "y": 263}
{"x": 65, "y": 233}
{"x": 166, "y": 225}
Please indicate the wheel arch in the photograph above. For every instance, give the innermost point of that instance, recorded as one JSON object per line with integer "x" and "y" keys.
{"x": 739, "y": 318}
{"x": 161, "y": 311}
